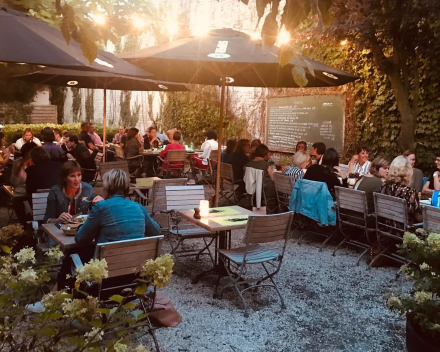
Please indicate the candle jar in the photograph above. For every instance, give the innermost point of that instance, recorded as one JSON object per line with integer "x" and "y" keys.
{"x": 204, "y": 208}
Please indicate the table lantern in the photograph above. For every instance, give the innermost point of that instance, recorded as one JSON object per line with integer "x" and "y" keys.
{"x": 204, "y": 208}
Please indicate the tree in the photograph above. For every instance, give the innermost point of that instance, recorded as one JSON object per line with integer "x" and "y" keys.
{"x": 91, "y": 23}
{"x": 90, "y": 105}
{"x": 76, "y": 104}
{"x": 399, "y": 34}
{"x": 57, "y": 97}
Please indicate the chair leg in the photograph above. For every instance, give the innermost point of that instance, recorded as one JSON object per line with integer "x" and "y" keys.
{"x": 346, "y": 238}
{"x": 378, "y": 256}
{"x": 207, "y": 245}
{"x": 151, "y": 329}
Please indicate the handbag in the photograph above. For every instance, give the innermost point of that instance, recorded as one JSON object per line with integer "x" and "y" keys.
{"x": 164, "y": 313}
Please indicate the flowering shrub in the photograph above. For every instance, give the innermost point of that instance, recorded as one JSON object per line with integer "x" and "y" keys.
{"x": 422, "y": 307}
{"x": 70, "y": 321}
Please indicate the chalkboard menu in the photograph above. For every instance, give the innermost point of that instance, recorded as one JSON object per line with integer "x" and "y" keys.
{"x": 318, "y": 118}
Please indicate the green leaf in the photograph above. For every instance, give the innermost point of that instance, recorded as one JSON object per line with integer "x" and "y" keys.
{"x": 6, "y": 249}
{"x": 104, "y": 310}
{"x": 47, "y": 332}
{"x": 299, "y": 76}
{"x": 55, "y": 315}
{"x": 141, "y": 289}
{"x": 129, "y": 305}
{"x": 116, "y": 298}
{"x": 95, "y": 323}
{"x": 285, "y": 54}
{"x": 142, "y": 316}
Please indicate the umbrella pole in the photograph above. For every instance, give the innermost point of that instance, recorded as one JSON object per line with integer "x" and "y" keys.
{"x": 220, "y": 140}
{"x": 104, "y": 125}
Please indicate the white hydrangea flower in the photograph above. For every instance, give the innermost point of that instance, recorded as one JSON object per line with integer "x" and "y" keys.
{"x": 80, "y": 308}
{"x": 28, "y": 276}
{"x": 434, "y": 241}
{"x": 94, "y": 334}
{"x": 120, "y": 347}
{"x": 411, "y": 239}
{"x": 55, "y": 253}
{"x": 423, "y": 296}
{"x": 425, "y": 267}
{"x": 26, "y": 255}
{"x": 392, "y": 301}
{"x": 141, "y": 348}
{"x": 95, "y": 270}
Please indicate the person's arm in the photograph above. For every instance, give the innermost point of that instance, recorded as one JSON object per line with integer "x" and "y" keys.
{"x": 163, "y": 153}
{"x": 91, "y": 146}
{"x": 426, "y": 188}
{"x": 91, "y": 227}
{"x": 351, "y": 164}
{"x": 206, "y": 151}
{"x": 51, "y": 215}
{"x": 4, "y": 159}
{"x": 37, "y": 141}
{"x": 152, "y": 228}
{"x": 270, "y": 171}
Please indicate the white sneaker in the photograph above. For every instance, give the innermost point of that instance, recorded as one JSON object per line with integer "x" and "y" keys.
{"x": 191, "y": 182}
{"x": 37, "y": 307}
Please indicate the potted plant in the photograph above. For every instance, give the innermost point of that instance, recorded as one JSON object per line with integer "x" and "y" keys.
{"x": 285, "y": 161}
{"x": 422, "y": 305}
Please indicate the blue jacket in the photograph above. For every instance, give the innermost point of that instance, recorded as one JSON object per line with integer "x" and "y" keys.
{"x": 58, "y": 203}
{"x": 116, "y": 219}
{"x": 312, "y": 199}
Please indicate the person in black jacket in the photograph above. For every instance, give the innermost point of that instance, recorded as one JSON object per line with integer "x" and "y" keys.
{"x": 82, "y": 156}
{"x": 238, "y": 159}
{"x": 44, "y": 173}
{"x": 328, "y": 172}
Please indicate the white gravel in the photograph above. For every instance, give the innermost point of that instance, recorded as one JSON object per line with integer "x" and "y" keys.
{"x": 332, "y": 305}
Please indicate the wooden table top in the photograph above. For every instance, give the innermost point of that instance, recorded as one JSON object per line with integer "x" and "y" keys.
{"x": 60, "y": 238}
{"x": 144, "y": 183}
{"x": 11, "y": 193}
{"x": 216, "y": 222}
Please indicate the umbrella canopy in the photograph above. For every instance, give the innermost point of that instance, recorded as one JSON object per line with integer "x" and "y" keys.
{"x": 24, "y": 39}
{"x": 96, "y": 80}
{"x": 230, "y": 53}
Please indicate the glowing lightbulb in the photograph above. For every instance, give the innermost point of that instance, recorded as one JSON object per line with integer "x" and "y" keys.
{"x": 283, "y": 37}
{"x": 199, "y": 30}
{"x": 172, "y": 28}
{"x": 99, "y": 19}
{"x": 138, "y": 22}
{"x": 344, "y": 42}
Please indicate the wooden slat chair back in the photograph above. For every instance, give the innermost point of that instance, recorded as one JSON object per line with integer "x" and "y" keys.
{"x": 158, "y": 195}
{"x": 214, "y": 155}
{"x": 110, "y": 165}
{"x": 259, "y": 229}
{"x": 119, "y": 152}
{"x": 391, "y": 224}
{"x": 227, "y": 186}
{"x": 283, "y": 186}
{"x": 184, "y": 197}
{"x": 174, "y": 156}
{"x": 431, "y": 218}
{"x": 39, "y": 205}
{"x": 352, "y": 211}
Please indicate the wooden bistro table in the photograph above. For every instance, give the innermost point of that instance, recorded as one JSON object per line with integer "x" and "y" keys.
{"x": 144, "y": 184}
{"x": 12, "y": 196}
{"x": 222, "y": 223}
{"x": 60, "y": 238}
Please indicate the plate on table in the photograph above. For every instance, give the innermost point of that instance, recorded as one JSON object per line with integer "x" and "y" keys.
{"x": 78, "y": 219}
{"x": 70, "y": 229}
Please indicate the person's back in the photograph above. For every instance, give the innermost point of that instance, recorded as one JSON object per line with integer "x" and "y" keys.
{"x": 370, "y": 184}
{"x": 83, "y": 157}
{"x": 322, "y": 174}
{"x": 42, "y": 176}
{"x": 56, "y": 152}
{"x": 238, "y": 161}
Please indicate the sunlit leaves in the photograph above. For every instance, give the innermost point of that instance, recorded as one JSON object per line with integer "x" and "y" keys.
{"x": 285, "y": 54}
{"x": 269, "y": 31}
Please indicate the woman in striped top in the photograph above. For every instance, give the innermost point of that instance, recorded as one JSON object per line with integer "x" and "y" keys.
{"x": 359, "y": 163}
{"x": 299, "y": 162}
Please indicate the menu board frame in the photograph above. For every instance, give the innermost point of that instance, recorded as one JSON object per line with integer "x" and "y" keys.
{"x": 292, "y": 150}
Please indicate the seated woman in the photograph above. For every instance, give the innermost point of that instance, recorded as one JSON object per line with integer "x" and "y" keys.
{"x": 373, "y": 181}
{"x": 300, "y": 161}
{"x": 133, "y": 147}
{"x": 397, "y": 185}
{"x": 230, "y": 146}
{"x": 433, "y": 183}
{"x": 18, "y": 180}
{"x": 261, "y": 156}
{"x": 417, "y": 177}
{"x": 44, "y": 173}
{"x": 55, "y": 151}
{"x": 114, "y": 219}
{"x": 359, "y": 163}
{"x": 238, "y": 159}
{"x": 201, "y": 161}
{"x": 28, "y": 136}
{"x": 254, "y": 144}
{"x": 174, "y": 145}
{"x": 327, "y": 172}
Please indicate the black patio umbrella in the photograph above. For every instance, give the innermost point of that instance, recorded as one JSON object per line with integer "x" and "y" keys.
{"x": 24, "y": 39}
{"x": 226, "y": 56}
{"x": 97, "y": 80}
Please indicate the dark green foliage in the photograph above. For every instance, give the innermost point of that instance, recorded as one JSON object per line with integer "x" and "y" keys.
{"x": 58, "y": 97}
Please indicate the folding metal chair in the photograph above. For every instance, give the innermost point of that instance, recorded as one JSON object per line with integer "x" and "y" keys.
{"x": 284, "y": 187}
{"x": 98, "y": 160}
{"x": 260, "y": 229}
{"x": 208, "y": 174}
{"x": 186, "y": 197}
{"x": 125, "y": 258}
{"x": 175, "y": 161}
{"x": 391, "y": 224}
{"x": 227, "y": 185}
{"x": 352, "y": 210}
{"x": 306, "y": 201}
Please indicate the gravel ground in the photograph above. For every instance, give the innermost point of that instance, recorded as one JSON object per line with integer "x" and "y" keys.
{"x": 332, "y": 305}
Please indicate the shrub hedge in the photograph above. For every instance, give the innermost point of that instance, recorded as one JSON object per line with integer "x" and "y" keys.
{"x": 15, "y": 131}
